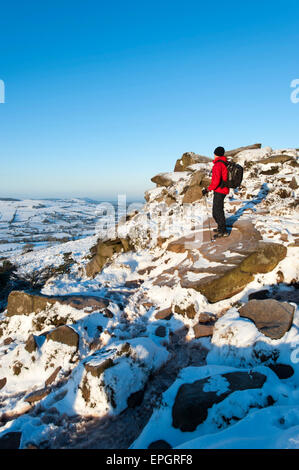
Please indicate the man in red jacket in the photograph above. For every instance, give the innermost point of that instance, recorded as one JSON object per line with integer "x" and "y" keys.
{"x": 219, "y": 174}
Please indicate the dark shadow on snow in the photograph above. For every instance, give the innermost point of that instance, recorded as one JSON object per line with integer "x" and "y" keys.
{"x": 262, "y": 194}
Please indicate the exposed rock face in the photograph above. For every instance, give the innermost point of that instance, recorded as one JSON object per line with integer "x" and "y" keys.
{"x": 277, "y": 159}
{"x": 189, "y": 158}
{"x": 103, "y": 251}
{"x": 194, "y": 192}
{"x": 283, "y": 371}
{"x": 37, "y": 395}
{"x": 65, "y": 335}
{"x": 188, "y": 311}
{"x": 272, "y": 318}
{"x": 31, "y": 345}
{"x": 22, "y": 303}
{"x": 162, "y": 179}
{"x": 193, "y": 400}
{"x": 97, "y": 369}
{"x": 263, "y": 260}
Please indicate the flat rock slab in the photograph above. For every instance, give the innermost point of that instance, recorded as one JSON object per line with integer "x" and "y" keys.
{"x": 193, "y": 400}
{"x": 272, "y": 318}
{"x": 234, "y": 260}
{"x": 65, "y": 335}
{"x": 37, "y": 395}
{"x": 23, "y": 303}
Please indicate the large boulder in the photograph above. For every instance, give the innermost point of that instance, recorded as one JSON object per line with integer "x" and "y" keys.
{"x": 198, "y": 181}
{"x": 189, "y": 158}
{"x": 23, "y": 303}
{"x": 277, "y": 159}
{"x": 263, "y": 260}
{"x": 272, "y": 318}
{"x": 193, "y": 400}
{"x": 234, "y": 152}
{"x": 162, "y": 179}
{"x": 103, "y": 251}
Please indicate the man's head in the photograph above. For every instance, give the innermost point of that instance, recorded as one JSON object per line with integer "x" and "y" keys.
{"x": 219, "y": 152}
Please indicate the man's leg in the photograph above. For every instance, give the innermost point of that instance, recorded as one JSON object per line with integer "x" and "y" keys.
{"x": 218, "y": 211}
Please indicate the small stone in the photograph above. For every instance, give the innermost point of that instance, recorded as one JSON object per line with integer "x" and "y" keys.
{"x": 98, "y": 369}
{"x": 186, "y": 311}
{"x": 206, "y": 317}
{"x": 272, "y": 318}
{"x": 65, "y": 335}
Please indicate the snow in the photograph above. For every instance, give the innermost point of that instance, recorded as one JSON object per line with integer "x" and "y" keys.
{"x": 244, "y": 419}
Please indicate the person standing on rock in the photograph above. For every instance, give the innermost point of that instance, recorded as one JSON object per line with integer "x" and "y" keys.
{"x": 219, "y": 174}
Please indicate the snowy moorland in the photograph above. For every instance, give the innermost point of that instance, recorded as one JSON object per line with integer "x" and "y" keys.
{"x": 151, "y": 335}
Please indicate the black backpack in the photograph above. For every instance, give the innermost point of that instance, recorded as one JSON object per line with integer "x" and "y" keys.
{"x": 234, "y": 175}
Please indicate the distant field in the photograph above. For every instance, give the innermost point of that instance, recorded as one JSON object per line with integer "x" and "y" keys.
{"x": 33, "y": 224}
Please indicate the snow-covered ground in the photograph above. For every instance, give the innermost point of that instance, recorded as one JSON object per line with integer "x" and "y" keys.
{"x": 36, "y": 224}
{"x": 122, "y": 346}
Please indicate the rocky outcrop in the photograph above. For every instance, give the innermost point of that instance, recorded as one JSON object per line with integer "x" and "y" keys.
{"x": 272, "y": 318}
{"x": 31, "y": 345}
{"x": 193, "y": 400}
{"x": 162, "y": 179}
{"x": 263, "y": 260}
{"x": 234, "y": 152}
{"x": 23, "y": 303}
{"x": 103, "y": 251}
{"x": 190, "y": 158}
{"x": 37, "y": 395}
{"x": 283, "y": 371}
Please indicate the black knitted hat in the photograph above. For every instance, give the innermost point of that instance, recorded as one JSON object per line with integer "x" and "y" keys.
{"x": 219, "y": 151}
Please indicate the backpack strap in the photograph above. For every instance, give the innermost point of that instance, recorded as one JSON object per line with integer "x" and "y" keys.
{"x": 222, "y": 161}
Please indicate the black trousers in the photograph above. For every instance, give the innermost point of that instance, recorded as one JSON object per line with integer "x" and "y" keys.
{"x": 218, "y": 211}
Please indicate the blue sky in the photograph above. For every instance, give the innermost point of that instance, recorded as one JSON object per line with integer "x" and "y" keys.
{"x": 100, "y": 96}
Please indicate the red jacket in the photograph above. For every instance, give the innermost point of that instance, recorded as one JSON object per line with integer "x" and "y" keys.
{"x": 219, "y": 173}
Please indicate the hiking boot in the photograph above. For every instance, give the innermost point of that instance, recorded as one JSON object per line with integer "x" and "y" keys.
{"x": 221, "y": 234}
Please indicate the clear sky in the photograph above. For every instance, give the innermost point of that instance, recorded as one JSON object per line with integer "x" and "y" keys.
{"x": 102, "y": 95}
